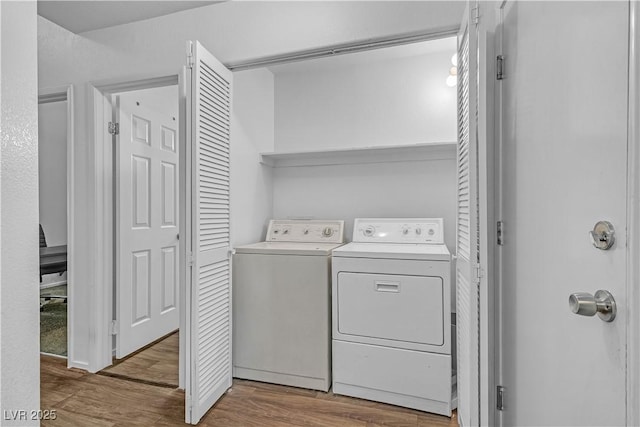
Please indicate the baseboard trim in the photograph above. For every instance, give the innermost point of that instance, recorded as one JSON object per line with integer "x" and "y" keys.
{"x": 77, "y": 364}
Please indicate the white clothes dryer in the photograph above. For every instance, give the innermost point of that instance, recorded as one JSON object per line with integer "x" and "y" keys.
{"x": 393, "y": 315}
{"x": 282, "y": 304}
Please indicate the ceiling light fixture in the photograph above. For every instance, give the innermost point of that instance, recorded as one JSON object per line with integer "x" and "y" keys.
{"x": 452, "y": 80}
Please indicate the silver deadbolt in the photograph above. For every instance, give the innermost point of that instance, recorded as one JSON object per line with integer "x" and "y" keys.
{"x": 602, "y": 303}
{"x": 603, "y": 235}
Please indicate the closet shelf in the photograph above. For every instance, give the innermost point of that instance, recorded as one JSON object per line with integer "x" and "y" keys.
{"x": 375, "y": 154}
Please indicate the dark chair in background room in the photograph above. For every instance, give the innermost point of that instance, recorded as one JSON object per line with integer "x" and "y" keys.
{"x": 53, "y": 259}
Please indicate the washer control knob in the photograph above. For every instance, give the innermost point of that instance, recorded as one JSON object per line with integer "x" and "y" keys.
{"x": 286, "y": 231}
{"x": 431, "y": 232}
{"x": 306, "y": 231}
{"x": 327, "y": 232}
{"x": 418, "y": 231}
{"x": 369, "y": 231}
{"x": 405, "y": 230}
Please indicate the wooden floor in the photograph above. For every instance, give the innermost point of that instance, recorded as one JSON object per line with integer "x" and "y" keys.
{"x": 83, "y": 399}
{"x": 156, "y": 364}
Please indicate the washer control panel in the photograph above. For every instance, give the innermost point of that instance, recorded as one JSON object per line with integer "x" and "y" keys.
{"x": 305, "y": 231}
{"x": 398, "y": 230}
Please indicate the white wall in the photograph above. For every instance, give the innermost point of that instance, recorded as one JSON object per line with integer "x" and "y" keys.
{"x": 381, "y": 102}
{"x": 52, "y": 169}
{"x": 156, "y": 47}
{"x": 387, "y": 102}
{"x": 397, "y": 189}
{"x": 162, "y": 100}
{"x": 19, "y": 315}
{"x": 252, "y": 132}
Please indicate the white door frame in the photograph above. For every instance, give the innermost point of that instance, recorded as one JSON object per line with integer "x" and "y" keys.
{"x": 632, "y": 302}
{"x": 55, "y": 94}
{"x": 487, "y": 212}
{"x": 102, "y": 290}
{"x": 483, "y": 26}
{"x": 633, "y": 220}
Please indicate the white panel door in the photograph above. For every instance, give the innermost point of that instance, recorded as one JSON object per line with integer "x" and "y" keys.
{"x": 564, "y": 126}
{"x": 467, "y": 233}
{"x": 146, "y": 224}
{"x": 207, "y": 86}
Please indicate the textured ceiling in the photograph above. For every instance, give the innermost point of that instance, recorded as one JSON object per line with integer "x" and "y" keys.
{"x": 80, "y": 16}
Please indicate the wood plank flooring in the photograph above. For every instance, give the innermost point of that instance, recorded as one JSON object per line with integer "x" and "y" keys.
{"x": 83, "y": 399}
{"x": 156, "y": 364}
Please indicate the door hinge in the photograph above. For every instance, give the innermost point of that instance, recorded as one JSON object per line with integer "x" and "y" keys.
{"x": 190, "y": 60}
{"x": 114, "y": 327}
{"x": 499, "y": 232}
{"x": 500, "y": 398}
{"x": 231, "y": 253}
{"x": 499, "y": 67}
{"x": 478, "y": 273}
{"x": 190, "y": 259}
{"x": 476, "y": 14}
{"x": 113, "y": 128}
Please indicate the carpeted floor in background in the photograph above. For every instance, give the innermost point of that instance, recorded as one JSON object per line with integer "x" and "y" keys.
{"x": 53, "y": 322}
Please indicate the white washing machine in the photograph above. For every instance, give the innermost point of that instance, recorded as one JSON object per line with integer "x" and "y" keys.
{"x": 282, "y": 304}
{"x": 393, "y": 315}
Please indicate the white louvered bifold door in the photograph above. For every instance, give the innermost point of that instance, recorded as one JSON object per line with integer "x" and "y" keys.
{"x": 208, "y": 302}
{"x": 467, "y": 236}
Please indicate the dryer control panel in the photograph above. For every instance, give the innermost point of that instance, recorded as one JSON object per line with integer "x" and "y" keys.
{"x": 305, "y": 231}
{"x": 398, "y": 230}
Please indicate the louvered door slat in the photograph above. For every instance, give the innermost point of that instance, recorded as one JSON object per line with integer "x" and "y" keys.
{"x": 214, "y": 130}
{"x": 211, "y": 79}
{"x": 210, "y": 310}
{"x": 213, "y": 98}
{"x": 213, "y": 170}
{"x": 216, "y": 126}
{"x": 467, "y": 292}
{"x": 216, "y": 154}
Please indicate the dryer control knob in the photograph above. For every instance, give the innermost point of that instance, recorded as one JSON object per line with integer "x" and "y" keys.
{"x": 369, "y": 231}
{"x": 405, "y": 230}
{"x": 327, "y": 232}
{"x": 418, "y": 231}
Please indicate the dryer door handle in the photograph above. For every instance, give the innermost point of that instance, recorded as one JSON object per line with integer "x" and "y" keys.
{"x": 387, "y": 286}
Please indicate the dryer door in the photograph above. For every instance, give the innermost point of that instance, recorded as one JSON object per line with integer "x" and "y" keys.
{"x": 403, "y": 311}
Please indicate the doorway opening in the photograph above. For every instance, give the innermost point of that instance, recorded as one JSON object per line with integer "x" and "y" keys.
{"x": 143, "y": 126}
{"x": 145, "y": 203}
{"x": 54, "y": 142}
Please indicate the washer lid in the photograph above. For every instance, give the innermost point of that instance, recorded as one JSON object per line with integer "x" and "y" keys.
{"x": 415, "y": 251}
{"x": 288, "y": 248}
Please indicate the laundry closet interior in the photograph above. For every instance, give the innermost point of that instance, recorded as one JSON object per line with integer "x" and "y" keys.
{"x": 356, "y": 136}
